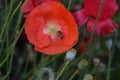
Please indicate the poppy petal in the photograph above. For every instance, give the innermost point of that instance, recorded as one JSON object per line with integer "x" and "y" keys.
{"x": 103, "y": 27}
{"x": 35, "y": 39}
{"x": 37, "y": 2}
{"x": 29, "y": 5}
{"x": 109, "y": 8}
{"x": 81, "y": 16}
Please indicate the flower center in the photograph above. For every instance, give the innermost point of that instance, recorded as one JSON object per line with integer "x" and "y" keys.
{"x": 53, "y": 30}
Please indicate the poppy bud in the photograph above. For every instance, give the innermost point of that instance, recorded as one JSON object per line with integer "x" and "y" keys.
{"x": 82, "y": 64}
{"x": 70, "y": 55}
{"x": 88, "y": 77}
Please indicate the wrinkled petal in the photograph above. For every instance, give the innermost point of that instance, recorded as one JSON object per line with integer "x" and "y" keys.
{"x": 108, "y": 10}
{"x": 103, "y": 27}
{"x": 81, "y": 16}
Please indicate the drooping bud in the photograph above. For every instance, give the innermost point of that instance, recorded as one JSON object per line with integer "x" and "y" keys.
{"x": 108, "y": 43}
{"x": 82, "y": 64}
{"x": 88, "y": 77}
{"x": 70, "y": 55}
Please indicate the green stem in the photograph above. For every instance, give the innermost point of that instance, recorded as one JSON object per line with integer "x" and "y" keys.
{"x": 2, "y": 45}
{"x": 6, "y": 6}
{"x": 52, "y": 59}
{"x": 93, "y": 31}
{"x": 15, "y": 10}
{"x": 6, "y": 19}
{"x": 14, "y": 34}
{"x": 6, "y": 58}
{"x": 69, "y": 4}
{"x": 11, "y": 47}
{"x": 7, "y": 30}
{"x": 35, "y": 59}
{"x": 109, "y": 65}
{"x": 7, "y": 38}
{"x": 76, "y": 72}
{"x": 10, "y": 65}
{"x": 111, "y": 54}
{"x": 65, "y": 65}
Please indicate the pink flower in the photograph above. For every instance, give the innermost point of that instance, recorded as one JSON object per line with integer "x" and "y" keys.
{"x": 108, "y": 10}
{"x": 29, "y": 5}
{"x": 81, "y": 16}
{"x": 103, "y": 27}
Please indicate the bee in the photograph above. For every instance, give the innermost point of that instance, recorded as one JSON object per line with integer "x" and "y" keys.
{"x": 60, "y": 34}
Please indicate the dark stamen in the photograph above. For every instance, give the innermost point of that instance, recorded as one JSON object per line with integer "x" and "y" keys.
{"x": 59, "y": 34}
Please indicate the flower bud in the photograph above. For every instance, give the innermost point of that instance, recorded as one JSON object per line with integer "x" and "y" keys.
{"x": 70, "y": 55}
{"x": 108, "y": 43}
{"x": 88, "y": 77}
{"x": 82, "y": 64}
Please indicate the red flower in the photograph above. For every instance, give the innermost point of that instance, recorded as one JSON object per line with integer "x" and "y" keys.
{"x": 82, "y": 47}
{"x": 37, "y": 2}
{"x": 29, "y": 5}
{"x": 84, "y": 44}
{"x": 108, "y": 10}
{"x": 81, "y": 16}
{"x": 103, "y": 27}
{"x": 49, "y": 30}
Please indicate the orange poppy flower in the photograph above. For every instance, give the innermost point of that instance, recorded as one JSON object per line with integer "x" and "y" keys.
{"x": 51, "y": 28}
